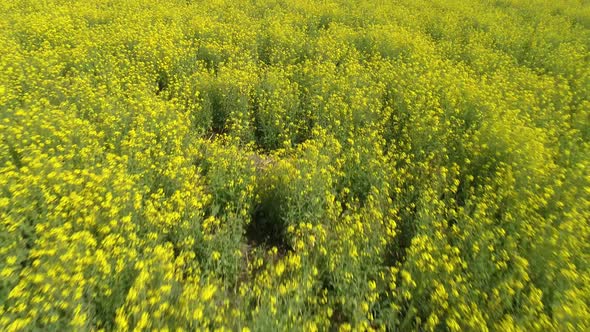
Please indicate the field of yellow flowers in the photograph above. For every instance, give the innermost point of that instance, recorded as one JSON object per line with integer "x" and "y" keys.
{"x": 292, "y": 165}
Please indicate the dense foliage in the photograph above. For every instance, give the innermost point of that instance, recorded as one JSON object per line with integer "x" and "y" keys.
{"x": 273, "y": 165}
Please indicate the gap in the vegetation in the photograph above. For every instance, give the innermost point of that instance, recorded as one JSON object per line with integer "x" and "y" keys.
{"x": 162, "y": 82}
{"x": 397, "y": 250}
{"x": 267, "y": 227}
{"x": 338, "y": 318}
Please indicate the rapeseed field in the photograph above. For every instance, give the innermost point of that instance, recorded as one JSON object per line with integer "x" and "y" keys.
{"x": 291, "y": 165}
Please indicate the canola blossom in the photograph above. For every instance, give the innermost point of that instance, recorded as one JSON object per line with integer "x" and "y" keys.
{"x": 291, "y": 165}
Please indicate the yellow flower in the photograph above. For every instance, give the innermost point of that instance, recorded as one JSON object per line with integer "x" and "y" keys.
{"x": 280, "y": 268}
{"x": 345, "y": 327}
{"x": 208, "y": 292}
{"x": 11, "y": 260}
{"x": 198, "y": 314}
{"x": 372, "y": 285}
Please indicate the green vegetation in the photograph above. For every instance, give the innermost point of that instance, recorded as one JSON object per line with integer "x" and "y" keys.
{"x": 295, "y": 165}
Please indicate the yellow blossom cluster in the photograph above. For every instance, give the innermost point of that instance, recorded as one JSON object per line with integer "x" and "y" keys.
{"x": 291, "y": 165}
